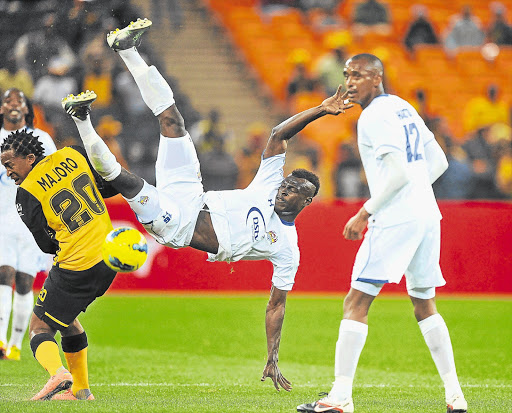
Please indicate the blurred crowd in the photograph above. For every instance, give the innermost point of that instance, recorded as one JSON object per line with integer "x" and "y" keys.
{"x": 480, "y": 159}
{"x": 52, "y": 48}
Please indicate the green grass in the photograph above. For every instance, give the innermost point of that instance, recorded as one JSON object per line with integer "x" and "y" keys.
{"x": 206, "y": 354}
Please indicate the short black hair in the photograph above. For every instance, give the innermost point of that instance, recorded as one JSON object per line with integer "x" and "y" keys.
{"x": 373, "y": 61}
{"x": 308, "y": 176}
{"x": 23, "y": 143}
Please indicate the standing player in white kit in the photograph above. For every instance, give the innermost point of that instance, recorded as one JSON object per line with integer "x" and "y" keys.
{"x": 401, "y": 159}
{"x": 20, "y": 257}
{"x": 251, "y": 224}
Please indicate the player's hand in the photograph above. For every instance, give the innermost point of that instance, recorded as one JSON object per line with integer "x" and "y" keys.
{"x": 271, "y": 370}
{"x": 338, "y": 103}
{"x": 355, "y": 226}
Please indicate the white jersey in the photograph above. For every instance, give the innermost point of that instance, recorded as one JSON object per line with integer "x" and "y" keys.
{"x": 10, "y": 222}
{"x": 390, "y": 124}
{"x": 247, "y": 227}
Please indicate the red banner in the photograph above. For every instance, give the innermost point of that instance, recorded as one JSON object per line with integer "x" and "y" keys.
{"x": 476, "y": 254}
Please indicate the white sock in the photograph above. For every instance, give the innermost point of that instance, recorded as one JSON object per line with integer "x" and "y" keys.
{"x": 97, "y": 150}
{"x": 133, "y": 61}
{"x": 155, "y": 91}
{"x": 5, "y": 310}
{"x": 437, "y": 337}
{"x": 21, "y": 311}
{"x": 351, "y": 340}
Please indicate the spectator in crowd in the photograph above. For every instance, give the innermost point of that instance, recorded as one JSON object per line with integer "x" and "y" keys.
{"x": 98, "y": 76}
{"x": 482, "y": 111}
{"x": 218, "y": 168}
{"x": 13, "y": 77}
{"x": 420, "y": 31}
{"x": 458, "y": 180}
{"x": 465, "y": 30}
{"x": 504, "y": 170}
{"x": 327, "y": 68}
{"x": 249, "y": 158}
{"x": 371, "y": 15}
{"x": 34, "y": 50}
{"x": 347, "y": 175}
{"x": 499, "y": 32}
{"x": 327, "y": 5}
{"x": 481, "y": 156}
{"x": 209, "y": 132}
{"x": 419, "y": 102}
{"x": 109, "y": 129}
{"x": 50, "y": 89}
{"x": 300, "y": 80}
{"x": 277, "y": 6}
{"x": 327, "y": 20}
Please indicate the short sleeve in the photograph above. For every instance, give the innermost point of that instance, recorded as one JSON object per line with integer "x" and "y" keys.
{"x": 385, "y": 135}
{"x": 270, "y": 173}
{"x": 284, "y": 276}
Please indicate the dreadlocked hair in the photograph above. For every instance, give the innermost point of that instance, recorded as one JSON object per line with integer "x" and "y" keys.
{"x": 308, "y": 176}
{"x": 23, "y": 143}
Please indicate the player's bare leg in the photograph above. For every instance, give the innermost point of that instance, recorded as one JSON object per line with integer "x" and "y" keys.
{"x": 437, "y": 338}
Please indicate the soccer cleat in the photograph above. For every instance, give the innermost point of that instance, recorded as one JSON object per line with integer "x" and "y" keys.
{"x": 3, "y": 350}
{"x": 457, "y": 404}
{"x": 79, "y": 106}
{"x": 326, "y": 405}
{"x": 122, "y": 39}
{"x": 61, "y": 381}
{"x": 68, "y": 395}
{"x": 13, "y": 353}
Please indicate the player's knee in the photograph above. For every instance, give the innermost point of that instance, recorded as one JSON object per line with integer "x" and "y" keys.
{"x": 24, "y": 283}
{"x": 128, "y": 184}
{"x": 7, "y": 275}
{"x": 172, "y": 124}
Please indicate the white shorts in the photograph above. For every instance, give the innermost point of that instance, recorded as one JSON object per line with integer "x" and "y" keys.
{"x": 20, "y": 251}
{"x": 169, "y": 211}
{"x": 411, "y": 248}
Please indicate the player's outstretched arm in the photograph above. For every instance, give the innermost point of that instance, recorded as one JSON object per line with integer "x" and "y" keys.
{"x": 280, "y": 135}
{"x": 274, "y": 323}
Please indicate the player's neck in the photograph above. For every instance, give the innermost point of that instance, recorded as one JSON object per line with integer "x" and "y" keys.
{"x": 11, "y": 127}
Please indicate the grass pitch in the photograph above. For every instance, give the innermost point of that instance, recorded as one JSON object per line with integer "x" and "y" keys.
{"x": 180, "y": 353}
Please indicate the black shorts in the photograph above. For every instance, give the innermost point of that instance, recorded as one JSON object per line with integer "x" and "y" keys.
{"x": 67, "y": 293}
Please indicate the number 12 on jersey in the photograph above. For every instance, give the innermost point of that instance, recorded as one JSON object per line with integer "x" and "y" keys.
{"x": 410, "y": 131}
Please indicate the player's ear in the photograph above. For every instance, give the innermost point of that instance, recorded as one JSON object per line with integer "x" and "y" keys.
{"x": 31, "y": 158}
{"x": 308, "y": 200}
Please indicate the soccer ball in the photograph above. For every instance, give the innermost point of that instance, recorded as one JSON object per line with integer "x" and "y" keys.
{"x": 125, "y": 249}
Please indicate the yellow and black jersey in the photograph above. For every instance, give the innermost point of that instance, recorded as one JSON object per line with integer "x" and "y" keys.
{"x": 61, "y": 203}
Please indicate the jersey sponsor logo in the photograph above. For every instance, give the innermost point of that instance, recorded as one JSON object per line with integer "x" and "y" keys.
{"x": 272, "y": 236}
{"x": 167, "y": 217}
{"x": 257, "y": 222}
{"x": 19, "y": 208}
{"x": 271, "y": 202}
{"x": 144, "y": 200}
{"x": 56, "y": 174}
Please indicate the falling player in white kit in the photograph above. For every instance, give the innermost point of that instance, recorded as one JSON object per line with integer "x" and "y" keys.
{"x": 252, "y": 224}
{"x": 401, "y": 159}
{"x": 20, "y": 257}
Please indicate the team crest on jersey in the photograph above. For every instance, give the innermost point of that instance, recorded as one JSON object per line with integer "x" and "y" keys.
{"x": 144, "y": 200}
{"x": 19, "y": 208}
{"x": 272, "y": 236}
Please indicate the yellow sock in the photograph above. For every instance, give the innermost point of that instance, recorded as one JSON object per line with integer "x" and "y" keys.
{"x": 77, "y": 365}
{"x": 47, "y": 354}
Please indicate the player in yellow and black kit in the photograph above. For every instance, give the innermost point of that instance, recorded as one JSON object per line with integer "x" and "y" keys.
{"x": 60, "y": 200}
